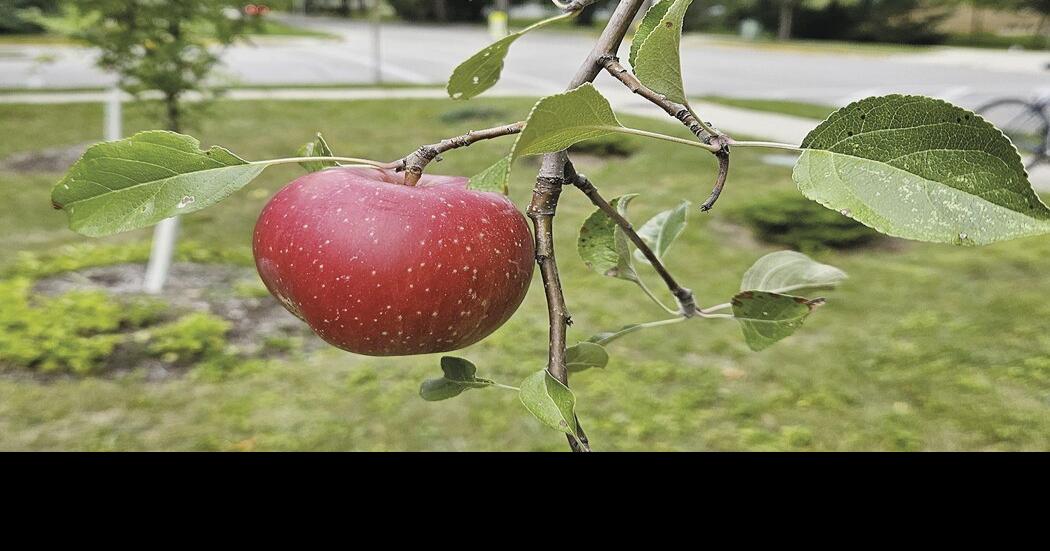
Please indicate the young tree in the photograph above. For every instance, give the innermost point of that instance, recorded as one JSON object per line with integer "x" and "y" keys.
{"x": 167, "y": 46}
{"x": 382, "y": 259}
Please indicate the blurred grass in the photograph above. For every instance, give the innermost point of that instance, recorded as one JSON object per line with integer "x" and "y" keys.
{"x": 926, "y": 347}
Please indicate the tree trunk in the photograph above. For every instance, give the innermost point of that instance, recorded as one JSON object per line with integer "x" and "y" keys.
{"x": 173, "y": 112}
{"x": 787, "y": 14}
{"x": 441, "y": 10}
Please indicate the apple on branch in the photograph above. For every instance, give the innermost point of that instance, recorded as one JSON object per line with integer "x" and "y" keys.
{"x": 381, "y": 268}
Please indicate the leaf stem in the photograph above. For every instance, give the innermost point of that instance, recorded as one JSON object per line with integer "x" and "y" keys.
{"x": 508, "y": 387}
{"x": 773, "y": 145}
{"x": 368, "y": 162}
{"x": 648, "y": 292}
{"x": 664, "y": 137}
{"x": 638, "y": 327}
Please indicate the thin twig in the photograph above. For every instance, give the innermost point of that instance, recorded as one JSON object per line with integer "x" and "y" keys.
{"x": 414, "y": 163}
{"x": 683, "y": 113}
{"x": 555, "y": 172}
{"x": 723, "y": 172}
{"x": 686, "y": 301}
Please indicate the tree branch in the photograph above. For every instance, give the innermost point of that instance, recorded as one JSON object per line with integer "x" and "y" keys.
{"x": 686, "y": 301}
{"x": 555, "y": 172}
{"x": 415, "y": 162}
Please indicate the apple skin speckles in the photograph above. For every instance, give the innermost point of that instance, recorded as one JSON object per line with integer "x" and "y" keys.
{"x": 406, "y": 270}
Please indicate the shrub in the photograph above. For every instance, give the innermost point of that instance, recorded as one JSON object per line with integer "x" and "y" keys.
{"x": 787, "y": 218}
{"x": 77, "y": 257}
{"x": 472, "y": 113}
{"x": 198, "y": 336}
{"x": 74, "y": 332}
{"x": 613, "y": 145}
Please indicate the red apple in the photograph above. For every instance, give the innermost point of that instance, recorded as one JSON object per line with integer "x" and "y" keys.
{"x": 381, "y": 268}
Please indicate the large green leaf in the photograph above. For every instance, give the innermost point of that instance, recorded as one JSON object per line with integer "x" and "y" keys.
{"x": 550, "y": 401}
{"x": 559, "y": 121}
{"x": 657, "y": 63}
{"x": 585, "y": 355}
{"x": 769, "y": 317}
{"x": 920, "y": 168}
{"x": 604, "y": 246}
{"x": 555, "y": 123}
{"x": 789, "y": 271}
{"x": 139, "y": 181}
{"x": 652, "y": 18}
{"x": 661, "y": 230}
{"x": 482, "y": 70}
{"x": 317, "y": 148}
{"x": 459, "y": 377}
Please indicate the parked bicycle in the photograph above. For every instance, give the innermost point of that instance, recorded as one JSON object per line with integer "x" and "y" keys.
{"x": 1026, "y": 123}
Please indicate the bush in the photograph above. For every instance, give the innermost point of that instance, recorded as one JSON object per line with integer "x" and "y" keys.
{"x": 11, "y": 20}
{"x": 787, "y": 218}
{"x": 473, "y": 113}
{"x": 195, "y": 337}
{"x": 77, "y": 257}
{"x": 71, "y": 333}
{"x": 615, "y": 145}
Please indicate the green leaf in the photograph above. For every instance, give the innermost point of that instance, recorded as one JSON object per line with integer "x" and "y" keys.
{"x": 482, "y": 70}
{"x": 549, "y": 401}
{"x": 920, "y": 168}
{"x": 141, "y": 180}
{"x": 493, "y": 178}
{"x": 585, "y": 355}
{"x": 657, "y": 63}
{"x": 316, "y": 148}
{"x": 604, "y": 246}
{"x": 645, "y": 28}
{"x": 459, "y": 377}
{"x": 789, "y": 271}
{"x": 555, "y": 123}
{"x": 661, "y": 230}
{"x": 769, "y": 317}
{"x": 559, "y": 121}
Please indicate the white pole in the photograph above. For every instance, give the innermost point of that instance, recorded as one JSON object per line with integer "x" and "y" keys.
{"x": 113, "y": 115}
{"x": 164, "y": 235}
{"x": 377, "y": 58}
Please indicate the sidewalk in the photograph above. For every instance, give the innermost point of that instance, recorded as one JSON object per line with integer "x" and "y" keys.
{"x": 733, "y": 120}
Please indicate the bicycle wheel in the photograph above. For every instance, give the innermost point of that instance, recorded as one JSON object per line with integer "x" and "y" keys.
{"x": 1025, "y": 124}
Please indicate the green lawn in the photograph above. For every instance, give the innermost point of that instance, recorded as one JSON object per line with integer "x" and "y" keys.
{"x": 926, "y": 347}
{"x": 786, "y": 107}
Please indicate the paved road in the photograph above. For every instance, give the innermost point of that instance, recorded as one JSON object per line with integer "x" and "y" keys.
{"x": 542, "y": 63}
